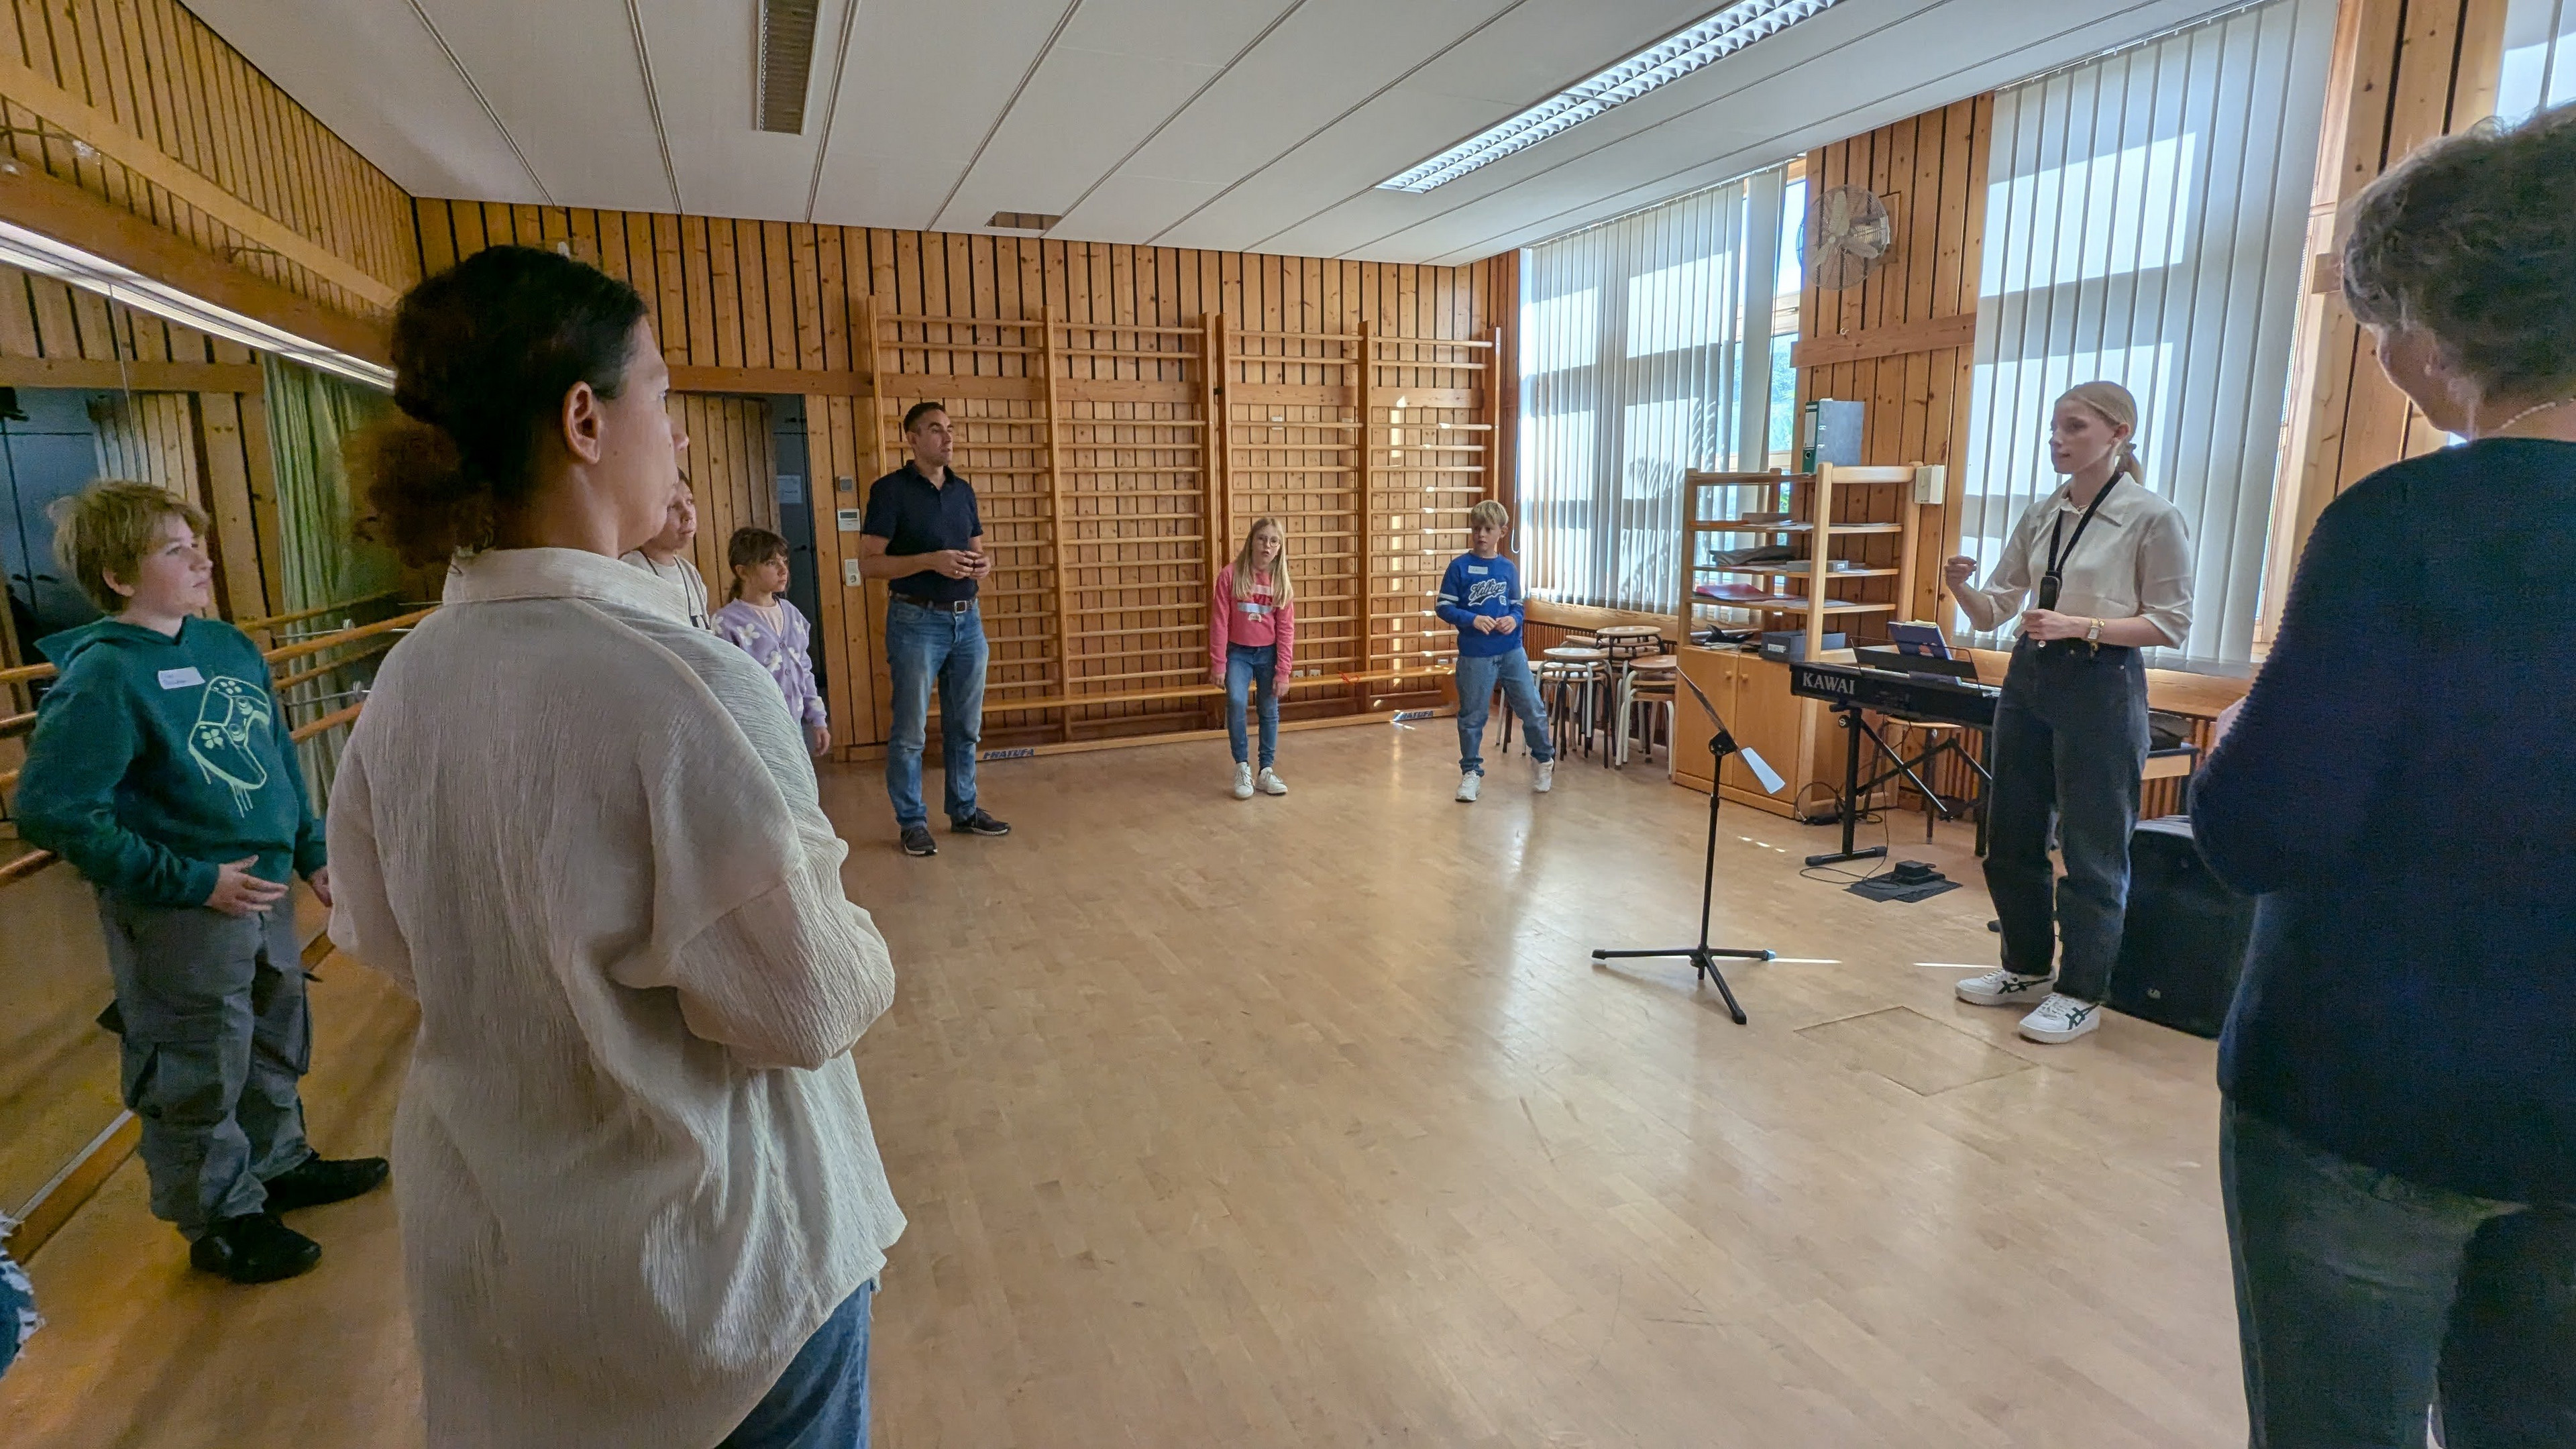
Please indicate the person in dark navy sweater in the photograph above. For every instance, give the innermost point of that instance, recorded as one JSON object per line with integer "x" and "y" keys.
{"x": 2399, "y": 1132}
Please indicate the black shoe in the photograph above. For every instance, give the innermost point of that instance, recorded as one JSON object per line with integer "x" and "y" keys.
{"x": 979, "y": 823}
{"x": 917, "y": 841}
{"x": 318, "y": 1180}
{"x": 253, "y": 1248}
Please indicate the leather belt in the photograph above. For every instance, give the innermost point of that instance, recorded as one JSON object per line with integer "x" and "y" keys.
{"x": 936, "y": 606}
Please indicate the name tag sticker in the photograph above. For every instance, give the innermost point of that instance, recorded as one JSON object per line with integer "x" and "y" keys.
{"x": 1476, "y": 569}
{"x": 181, "y": 678}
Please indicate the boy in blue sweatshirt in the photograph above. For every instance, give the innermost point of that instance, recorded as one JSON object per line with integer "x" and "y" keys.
{"x": 161, "y": 768}
{"x": 1481, "y": 594}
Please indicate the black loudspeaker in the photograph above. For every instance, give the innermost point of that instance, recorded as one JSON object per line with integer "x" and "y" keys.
{"x": 2183, "y": 945}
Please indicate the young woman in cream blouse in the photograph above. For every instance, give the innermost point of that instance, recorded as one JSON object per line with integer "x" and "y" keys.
{"x": 2096, "y": 571}
{"x": 641, "y": 1203}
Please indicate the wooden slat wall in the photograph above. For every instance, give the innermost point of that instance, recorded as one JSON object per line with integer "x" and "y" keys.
{"x": 732, "y": 465}
{"x": 1080, "y": 375}
{"x": 1931, "y": 171}
{"x": 2405, "y": 72}
{"x": 139, "y": 103}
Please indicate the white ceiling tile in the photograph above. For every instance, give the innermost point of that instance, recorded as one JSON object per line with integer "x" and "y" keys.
{"x": 565, "y": 81}
{"x": 1131, "y": 208}
{"x": 931, "y": 78}
{"x": 1080, "y": 114}
{"x": 862, "y": 188}
{"x": 1544, "y": 46}
{"x": 1187, "y": 30}
{"x": 704, "y": 63}
{"x": 369, "y": 70}
{"x": 1331, "y": 55}
{"x": 1280, "y": 150}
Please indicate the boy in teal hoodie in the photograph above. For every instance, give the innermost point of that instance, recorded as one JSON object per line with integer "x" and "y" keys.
{"x": 161, "y": 768}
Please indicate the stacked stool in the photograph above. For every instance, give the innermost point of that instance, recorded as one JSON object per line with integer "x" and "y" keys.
{"x": 1649, "y": 683}
{"x": 1573, "y": 678}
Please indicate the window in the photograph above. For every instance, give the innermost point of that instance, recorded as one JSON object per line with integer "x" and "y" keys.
{"x": 2146, "y": 223}
{"x": 1635, "y": 336}
{"x": 2539, "y": 57}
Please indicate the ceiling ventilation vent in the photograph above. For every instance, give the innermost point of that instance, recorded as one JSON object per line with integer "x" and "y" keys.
{"x": 786, "y": 59}
{"x": 1022, "y": 221}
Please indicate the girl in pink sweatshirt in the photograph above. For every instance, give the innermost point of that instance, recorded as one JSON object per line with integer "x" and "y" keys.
{"x": 1252, "y": 633}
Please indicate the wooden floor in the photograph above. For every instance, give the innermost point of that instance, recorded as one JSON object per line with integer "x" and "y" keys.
{"x": 1308, "y": 1122}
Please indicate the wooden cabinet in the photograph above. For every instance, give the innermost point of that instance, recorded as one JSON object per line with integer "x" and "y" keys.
{"x": 1794, "y": 735}
{"x": 1714, "y": 671}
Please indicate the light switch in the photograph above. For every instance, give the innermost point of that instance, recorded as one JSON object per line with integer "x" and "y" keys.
{"x": 850, "y": 572}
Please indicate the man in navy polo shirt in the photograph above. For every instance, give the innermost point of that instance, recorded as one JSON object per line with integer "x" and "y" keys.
{"x": 923, "y": 535}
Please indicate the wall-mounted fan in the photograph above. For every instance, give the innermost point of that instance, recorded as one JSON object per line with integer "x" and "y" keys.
{"x": 1850, "y": 237}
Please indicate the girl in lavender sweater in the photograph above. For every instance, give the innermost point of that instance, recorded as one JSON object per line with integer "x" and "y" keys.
{"x": 758, "y": 618}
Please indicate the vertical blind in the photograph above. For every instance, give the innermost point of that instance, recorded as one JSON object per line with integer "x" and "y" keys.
{"x": 1633, "y": 341}
{"x": 2145, "y": 223}
{"x": 2539, "y": 57}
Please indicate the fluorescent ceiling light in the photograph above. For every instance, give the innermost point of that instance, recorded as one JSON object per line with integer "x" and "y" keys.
{"x": 35, "y": 252}
{"x": 1669, "y": 59}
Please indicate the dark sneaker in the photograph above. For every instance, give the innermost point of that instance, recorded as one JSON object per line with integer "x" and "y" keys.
{"x": 917, "y": 841}
{"x": 253, "y": 1248}
{"x": 318, "y": 1180}
{"x": 979, "y": 823}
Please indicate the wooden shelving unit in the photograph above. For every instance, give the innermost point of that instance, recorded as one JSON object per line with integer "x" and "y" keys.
{"x": 1798, "y": 591}
{"x": 1796, "y": 735}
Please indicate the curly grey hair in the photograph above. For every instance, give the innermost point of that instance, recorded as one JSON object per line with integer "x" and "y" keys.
{"x": 2473, "y": 240}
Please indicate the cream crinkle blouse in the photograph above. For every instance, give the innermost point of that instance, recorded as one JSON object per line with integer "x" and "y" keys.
{"x": 633, "y": 1165}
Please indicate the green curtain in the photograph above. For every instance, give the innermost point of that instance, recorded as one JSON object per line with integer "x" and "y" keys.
{"x": 322, "y": 560}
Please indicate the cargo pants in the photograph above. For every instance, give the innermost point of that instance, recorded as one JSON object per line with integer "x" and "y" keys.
{"x": 217, "y": 1036}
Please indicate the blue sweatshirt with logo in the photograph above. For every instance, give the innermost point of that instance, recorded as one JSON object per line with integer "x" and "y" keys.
{"x": 1482, "y": 588}
{"x": 156, "y": 760}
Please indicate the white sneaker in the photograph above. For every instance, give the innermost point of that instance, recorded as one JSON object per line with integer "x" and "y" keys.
{"x": 2001, "y": 988}
{"x": 1468, "y": 784}
{"x": 2061, "y": 1018}
{"x": 1271, "y": 784}
{"x": 1242, "y": 782}
{"x": 1546, "y": 779}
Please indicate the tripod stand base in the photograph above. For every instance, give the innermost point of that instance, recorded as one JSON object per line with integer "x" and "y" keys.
{"x": 1703, "y": 961}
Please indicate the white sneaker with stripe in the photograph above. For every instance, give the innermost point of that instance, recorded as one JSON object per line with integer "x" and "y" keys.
{"x": 2061, "y": 1018}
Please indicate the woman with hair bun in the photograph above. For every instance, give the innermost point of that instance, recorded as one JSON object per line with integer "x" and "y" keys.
{"x": 2398, "y": 1136}
{"x": 641, "y": 1204}
{"x": 2103, "y": 566}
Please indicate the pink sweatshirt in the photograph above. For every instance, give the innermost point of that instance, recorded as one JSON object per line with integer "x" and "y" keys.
{"x": 1251, "y": 622}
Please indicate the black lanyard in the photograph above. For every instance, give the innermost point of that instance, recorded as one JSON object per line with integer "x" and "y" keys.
{"x": 2053, "y": 580}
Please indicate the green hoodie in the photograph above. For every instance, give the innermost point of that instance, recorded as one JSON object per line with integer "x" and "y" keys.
{"x": 156, "y": 760}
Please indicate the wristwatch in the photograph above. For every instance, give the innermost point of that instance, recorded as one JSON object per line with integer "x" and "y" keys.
{"x": 2093, "y": 633}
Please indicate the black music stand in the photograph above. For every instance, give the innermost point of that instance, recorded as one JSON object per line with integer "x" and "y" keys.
{"x": 1703, "y": 957}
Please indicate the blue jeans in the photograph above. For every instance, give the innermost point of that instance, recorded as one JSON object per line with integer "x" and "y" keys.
{"x": 1477, "y": 675}
{"x": 2361, "y": 1297}
{"x": 1243, "y": 664}
{"x": 821, "y": 1402}
{"x": 922, "y": 644}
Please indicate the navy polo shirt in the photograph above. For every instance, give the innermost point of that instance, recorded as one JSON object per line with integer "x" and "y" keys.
{"x": 913, "y": 516}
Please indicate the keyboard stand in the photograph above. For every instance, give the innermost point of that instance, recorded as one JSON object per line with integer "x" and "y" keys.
{"x": 1855, "y": 789}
